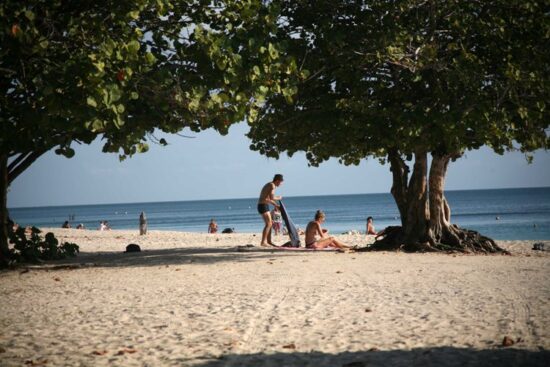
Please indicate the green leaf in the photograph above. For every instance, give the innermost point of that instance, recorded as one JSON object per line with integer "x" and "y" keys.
{"x": 29, "y": 15}
{"x": 91, "y": 101}
{"x": 151, "y": 59}
{"x": 273, "y": 53}
{"x": 133, "y": 46}
{"x": 133, "y": 14}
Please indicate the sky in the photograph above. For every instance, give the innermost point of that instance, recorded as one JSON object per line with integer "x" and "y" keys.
{"x": 211, "y": 166}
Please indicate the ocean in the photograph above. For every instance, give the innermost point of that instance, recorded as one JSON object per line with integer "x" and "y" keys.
{"x": 504, "y": 214}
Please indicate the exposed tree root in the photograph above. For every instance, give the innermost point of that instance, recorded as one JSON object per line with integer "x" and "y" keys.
{"x": 455, "y": 239}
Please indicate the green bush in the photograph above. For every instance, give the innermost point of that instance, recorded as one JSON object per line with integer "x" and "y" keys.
{"x": 33, "y": 248}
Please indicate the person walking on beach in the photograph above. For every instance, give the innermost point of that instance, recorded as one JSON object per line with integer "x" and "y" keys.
{"x": 142, "y": 224}
{"x": 267, "y": 196}
{"x": 213, "y": 226}
{"x": 317, "y": 237}
{"x": 277, "y": 221}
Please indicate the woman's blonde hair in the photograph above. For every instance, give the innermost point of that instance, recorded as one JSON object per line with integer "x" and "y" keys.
{"x": 319, "y": 214}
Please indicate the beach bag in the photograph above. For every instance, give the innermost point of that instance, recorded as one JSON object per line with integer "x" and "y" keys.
{"x": 133, "y": 248}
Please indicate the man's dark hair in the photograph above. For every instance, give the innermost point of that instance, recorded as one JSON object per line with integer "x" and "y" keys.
{"x": 369, "y": 218}
{"x": 278, "y": 177}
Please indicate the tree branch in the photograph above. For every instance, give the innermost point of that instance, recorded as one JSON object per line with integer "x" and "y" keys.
{"x": 23, "y": 165}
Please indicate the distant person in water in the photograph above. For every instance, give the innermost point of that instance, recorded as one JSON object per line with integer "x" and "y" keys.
{"x": 80, "y": 226}
{"x": 267, "y": 196}
{"x": 317, "y": 237}
{"x": 213, "y": 226}
{"x": 104, "y": 226}
{"x": 66, "y": 224}
{"x": 142, "y": 224}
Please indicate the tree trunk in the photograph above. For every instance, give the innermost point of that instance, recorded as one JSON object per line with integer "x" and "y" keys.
{"x": 4, "y": 249}
{"x": 440, "y": 230}
{"x": 442, "y": 234}
{"x": 400, "y": 174}
{"x": 426, "y": 217}
{"x": 415, "y": 228}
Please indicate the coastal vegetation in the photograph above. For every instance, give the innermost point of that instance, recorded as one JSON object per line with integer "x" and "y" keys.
{"x": 120, "y": 70}
{"x": 407, "y": 82}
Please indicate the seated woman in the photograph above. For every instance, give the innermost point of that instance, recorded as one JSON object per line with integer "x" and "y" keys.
{"x": 316, "y": 236}
{"x": 372, "y": 231}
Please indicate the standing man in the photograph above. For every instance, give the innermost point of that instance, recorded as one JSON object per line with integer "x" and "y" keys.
{"x": 267, "y": 196}
{"x": 142, "y": 224}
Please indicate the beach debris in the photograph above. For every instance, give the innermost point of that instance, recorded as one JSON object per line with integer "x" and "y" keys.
{"x": 373, "y": 349}
{"x": 368, "y": 310}
{"x": 99, "y": 352}
{"x": 24, "y": 271}
{"x": 289, "y": 346}
{"x": 352, "y": 232}
{"x": 133, "y": 248}
{"x": 38, "y": 362}
{"x": 507, "y": 341}
{"x": 229, "y": 230}
{"x": 2, "y": 350}
{"x": 125, "y": 351}
{"x": 338, "y": 272}
{"x": 538, "y": 246}
{"x": 57, "y": 279}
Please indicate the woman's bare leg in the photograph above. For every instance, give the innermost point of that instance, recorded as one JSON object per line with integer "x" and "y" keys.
{"x": 339, "y": 244}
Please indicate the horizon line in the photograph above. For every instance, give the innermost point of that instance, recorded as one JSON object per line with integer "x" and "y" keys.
{"x": 244, "y": 198}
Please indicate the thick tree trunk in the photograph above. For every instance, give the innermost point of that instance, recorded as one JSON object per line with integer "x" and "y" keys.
{"x": 4, "y": 249}
{"x": 442, "y": 234}
{"x": 415, "y": 229}
{"x": 426, "y": 217}
{"x": 440, "y": 230}
{"x": 400, "y": 175}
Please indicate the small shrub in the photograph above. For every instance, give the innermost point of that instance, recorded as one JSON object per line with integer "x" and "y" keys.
{"x": 32, "y": 248}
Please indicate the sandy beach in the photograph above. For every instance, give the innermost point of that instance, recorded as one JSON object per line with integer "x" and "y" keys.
{"x": 191, "y": 299}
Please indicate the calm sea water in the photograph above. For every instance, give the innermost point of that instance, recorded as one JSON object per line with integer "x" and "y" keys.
{"x": 522, "y": 213}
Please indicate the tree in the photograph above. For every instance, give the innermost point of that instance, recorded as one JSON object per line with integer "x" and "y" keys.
{"x": 399, "y": 81}
{"x": 73, "y": 71}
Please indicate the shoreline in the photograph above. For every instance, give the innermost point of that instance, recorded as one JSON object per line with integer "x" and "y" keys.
{"x": 195, "y": 300}
{"x": 117, "y": 239}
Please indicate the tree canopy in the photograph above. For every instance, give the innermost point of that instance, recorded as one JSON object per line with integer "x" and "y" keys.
{"x": 119, "y": 70}
{"x": 401, "y": 80}
{"x": 431, "y": 75}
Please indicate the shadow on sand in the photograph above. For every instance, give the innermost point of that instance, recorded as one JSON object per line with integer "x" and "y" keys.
{"x": 441, "y": 356}
{"x": 161, "y": 257}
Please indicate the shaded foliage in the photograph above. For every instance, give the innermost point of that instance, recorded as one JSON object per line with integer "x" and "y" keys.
{"x": 33, "y": 248}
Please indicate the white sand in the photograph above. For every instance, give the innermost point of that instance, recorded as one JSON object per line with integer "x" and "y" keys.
{"x": 193, "y": 300}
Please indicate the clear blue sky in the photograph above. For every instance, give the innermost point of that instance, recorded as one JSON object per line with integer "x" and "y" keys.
{"x": 211, "y": 166}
